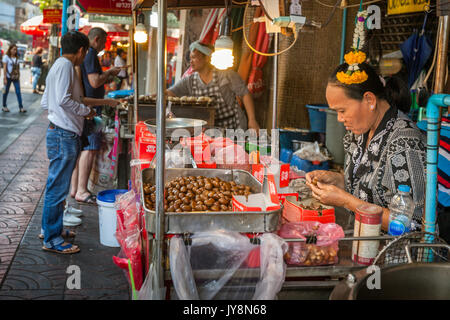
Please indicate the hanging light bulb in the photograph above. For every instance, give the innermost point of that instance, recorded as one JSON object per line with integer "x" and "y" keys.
{"x": 140, "y": 33}
{"x": 222, "y": 57}
{"x": 154, "y": 16}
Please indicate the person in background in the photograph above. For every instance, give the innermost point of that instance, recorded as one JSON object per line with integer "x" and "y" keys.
{"x": 106, "y": 60}
{"x": 223, "y": 86}
{"x": 67, "y": 109}
{"x": 36, "y": 67}
{"x": 11, "y": 70}
{"x": 120, "y": 62}
{"x": 384, "y": 148}
{"x": 93, "y": 79}
{"x": 1, "y": 61}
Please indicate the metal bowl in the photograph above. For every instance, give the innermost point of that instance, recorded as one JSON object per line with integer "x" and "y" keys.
{"x": 179, "y": 127}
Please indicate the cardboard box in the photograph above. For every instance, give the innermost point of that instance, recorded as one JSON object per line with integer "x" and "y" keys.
{"x": 294, "y": 212}
{"x": 267, "y": 200}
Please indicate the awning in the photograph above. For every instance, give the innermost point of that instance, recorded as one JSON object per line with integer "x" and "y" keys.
{"x": 36, "y": 27}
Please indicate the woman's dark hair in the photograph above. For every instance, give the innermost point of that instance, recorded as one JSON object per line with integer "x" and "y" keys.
{"x": 39, "y": 50}
{"x": 119, "y": 51}
{"x": 395, "y": 92}
{"x": 72, "y": 41}
{"x": 8, "y": 52}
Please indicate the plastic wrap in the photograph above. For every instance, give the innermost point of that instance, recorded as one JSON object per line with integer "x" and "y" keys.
{"x": 273, "y": 268}
{"x": 312, "y": 152}
{"x": 181, "y": 271}
{"x": 219, "y": 254}
{"x": 320, "y": 245}
{"x": 128, "y": 234}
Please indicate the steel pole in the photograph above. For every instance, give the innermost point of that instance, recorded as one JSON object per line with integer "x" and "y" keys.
{"x": 441, "y": 63}
{"x": 160, "y": 148}
{"x": 275, "y": 85}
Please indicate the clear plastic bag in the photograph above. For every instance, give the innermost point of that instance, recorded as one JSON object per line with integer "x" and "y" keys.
{"x": 313, "y": 152}
{"x": 273, "y": 268}
{"x": 217, "y": 255}
{"x": 320, "y": 245}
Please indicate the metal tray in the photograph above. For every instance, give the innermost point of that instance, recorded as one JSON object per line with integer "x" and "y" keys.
{"x": 190, "y": 222}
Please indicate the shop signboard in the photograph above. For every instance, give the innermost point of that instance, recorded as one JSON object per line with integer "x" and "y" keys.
{"x": 406, "y": 6}
{"x": 52, "y": 16}
{"x": 114, "y": 7}
{"x": 100, "y": 18}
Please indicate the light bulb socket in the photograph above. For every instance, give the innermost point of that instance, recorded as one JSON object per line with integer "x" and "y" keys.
{"x": 141, "y": 18}
{"x": 225, "y": 26}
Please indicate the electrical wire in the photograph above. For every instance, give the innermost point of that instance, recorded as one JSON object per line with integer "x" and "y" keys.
{"x": 239, "y": 3}
{"x": 265, "y": 12}
{"x": 332, "y": 14}
{"x": 263, "y": 53}
{"x": 348, "y": 6}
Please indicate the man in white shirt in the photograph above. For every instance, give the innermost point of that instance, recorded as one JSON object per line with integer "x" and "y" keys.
{"x": 67, "y": 108}
{"x": 120, "y": 61}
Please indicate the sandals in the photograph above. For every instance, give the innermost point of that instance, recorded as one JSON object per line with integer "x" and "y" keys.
{"x": 91, "y": 200}
{"x": 67, "y": 249}
{"x": 65, "y": 234}
{"x": 5, "y": 109}
{"x": 22, "y": 110}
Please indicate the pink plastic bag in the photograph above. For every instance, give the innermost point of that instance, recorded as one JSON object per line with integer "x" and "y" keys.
{"x": 321, "y": 243}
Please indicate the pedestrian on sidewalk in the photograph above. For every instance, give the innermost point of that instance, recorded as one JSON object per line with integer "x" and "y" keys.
{"x": 36, "y": 67}
{"x": 67, "y": 109}
{"x": 120, "y": 62}
{"x": 94, "y": 80}
{"x": 11, "y": 74}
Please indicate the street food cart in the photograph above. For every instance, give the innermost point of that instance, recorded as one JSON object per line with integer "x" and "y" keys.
{"x": 300, "y": 282}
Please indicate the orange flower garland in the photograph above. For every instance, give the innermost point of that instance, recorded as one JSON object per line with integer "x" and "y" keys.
{"x": 355, "y": 57}
{"x": 355, "y": 77}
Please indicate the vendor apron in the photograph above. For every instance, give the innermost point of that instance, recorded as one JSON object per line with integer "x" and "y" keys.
{"x": 225, "y": 116}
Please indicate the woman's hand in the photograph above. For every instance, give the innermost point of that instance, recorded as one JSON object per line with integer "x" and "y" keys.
{"x": 5, "y": 81}
{"x": 324, "y": 176}
{"x": 331, "y": 195}
{"x": 253, "y": 124}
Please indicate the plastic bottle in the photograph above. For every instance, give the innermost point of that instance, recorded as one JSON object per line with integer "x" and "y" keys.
{"x": 401, "y": 212}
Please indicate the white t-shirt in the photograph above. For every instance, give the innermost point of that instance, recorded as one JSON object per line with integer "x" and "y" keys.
{"x": 119, "y": 62}
{"x": 9, "y": 63}
{"x": 62, "y": 97}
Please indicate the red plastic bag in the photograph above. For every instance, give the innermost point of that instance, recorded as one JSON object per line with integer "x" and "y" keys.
{"x": 320, "y": 245}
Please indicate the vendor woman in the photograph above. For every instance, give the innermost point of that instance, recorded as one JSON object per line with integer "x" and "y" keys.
{"x": 222, "y": 86}
{"x": 383, "y": 147}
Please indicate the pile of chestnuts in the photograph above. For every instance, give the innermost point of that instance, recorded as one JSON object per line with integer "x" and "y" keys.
{"x": 188, "y": 194}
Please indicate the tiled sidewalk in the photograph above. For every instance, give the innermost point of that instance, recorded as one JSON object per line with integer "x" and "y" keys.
{"x": 27, "y": 272}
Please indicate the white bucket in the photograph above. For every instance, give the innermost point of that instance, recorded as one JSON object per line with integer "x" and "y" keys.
{"x": 107, "y": 218}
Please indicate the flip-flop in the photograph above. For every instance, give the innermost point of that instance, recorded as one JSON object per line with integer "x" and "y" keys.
{"x": 4, "y": 109}
{"x": 89, "y": 200}
{"x": 67, "y": 249}
{"x": 65, "y": 234}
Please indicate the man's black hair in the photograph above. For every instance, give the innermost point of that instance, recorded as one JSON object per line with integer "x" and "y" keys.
{"x": 72, "y": 41}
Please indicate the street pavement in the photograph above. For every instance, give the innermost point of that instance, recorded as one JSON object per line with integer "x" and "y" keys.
{"x": 26, "y": 271}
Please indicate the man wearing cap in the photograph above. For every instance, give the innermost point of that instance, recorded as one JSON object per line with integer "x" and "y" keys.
{"x": 222, "y": 86}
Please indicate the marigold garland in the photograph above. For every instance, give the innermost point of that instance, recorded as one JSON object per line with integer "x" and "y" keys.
{"x": 353, "y": 78}
{"x": 355, "y": 57}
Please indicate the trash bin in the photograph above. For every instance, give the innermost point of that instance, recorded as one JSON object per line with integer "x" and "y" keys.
{"x": 107, "y": 219}
{"x": 334, "y": 136}
{"x": 317, "y": 117}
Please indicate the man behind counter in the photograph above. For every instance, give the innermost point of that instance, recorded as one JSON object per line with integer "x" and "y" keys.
{"x": 222, "y": 86}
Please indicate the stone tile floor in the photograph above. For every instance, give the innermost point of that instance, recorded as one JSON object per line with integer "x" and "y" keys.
{"x": 27, "y": 272}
